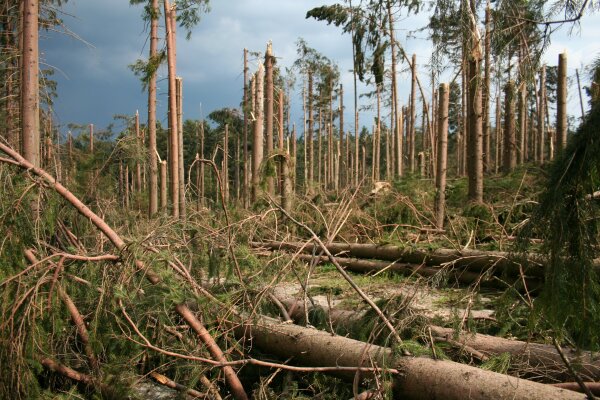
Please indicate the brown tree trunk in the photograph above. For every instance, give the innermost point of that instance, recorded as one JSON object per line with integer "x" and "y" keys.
{"x": 399, "y": 141}
{"x": 343, "y": 163}
{"x": 421, "y": 378}
{"x": 522, "y": 153}
{"x": 257, "y": 145}
{"x": 153, "y": 187}
{"x": 225, "y": 166}
{"x": 541, "y": 137}
{"x": 475, "y": 134}
{"x": 245, "y": 106}
{"x": 173, "y": 135}
{"x": 280, "y": 141}
{"x": 30, "y": 101}
{"x": 579, "y": 92}
{"x": 309, "y": 99}
{"x": 510, "y": 153}
{"x": 181, "y": 167}
{"x": 91, "y": 138}
{"x": 486, "y": 89}
{"x": 269, "y": 59}
{"x": 561, "y": 104}
{"x": 442, "y": 155}
{"x": 413, "y": 113}
{"x": 201, "y": 190}
{"x": 163, "y": 186}
{"x": 138, "y": 141}
{"x": 396, "y": 118}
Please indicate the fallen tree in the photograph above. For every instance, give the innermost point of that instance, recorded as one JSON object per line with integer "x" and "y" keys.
{"x": 417, "y": 378}
{"x": 544, "y": 359}
{"x": 341, "y": 355}
{"x": 471, "y": 260}
{"x": 454, "y": 274}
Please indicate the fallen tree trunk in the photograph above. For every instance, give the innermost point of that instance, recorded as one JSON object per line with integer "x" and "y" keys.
{"x": 536, "y": 355}
{"x": 472, "y": 260}
{"x": 456, "y": 275}
{"x": 418, "y": 378}
{"x": 541, "y": 357}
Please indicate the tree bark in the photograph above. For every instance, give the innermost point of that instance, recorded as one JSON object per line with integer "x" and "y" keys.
{"x": 486, "y": 89}
{"x": 245, "y": 106}
{"x": 225, "y": 166}
{"x": 510, "y": 153}
{"x": 153, "y": 187}
{"x": 173, "y": 135}
{"x": 472, "y": 260}
{"x": 541, "y": 136}
{"x": 257, "y": 145}
{"x": 475, "y": 133}
{"x": 269, "y": 114}
{"x": 413, "y": 115}
{"x": 163, "y": 186}
{"x": 442, "y": 156}
{"x": 180, "y": 166}
{"x": 421, "y": 378}
{"x": 561, "y": 104}
{"x": 30, "y": 101}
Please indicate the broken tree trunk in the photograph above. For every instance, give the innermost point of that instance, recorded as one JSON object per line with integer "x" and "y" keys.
{"x": 420, "y": 378}
{"x": 474, "y": 260}
{"x": 542, "y": 359}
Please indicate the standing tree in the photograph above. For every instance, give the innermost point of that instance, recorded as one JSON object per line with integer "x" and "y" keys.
{"x": 30, "y": 92}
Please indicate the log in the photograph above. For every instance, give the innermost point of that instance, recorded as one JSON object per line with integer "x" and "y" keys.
{"x": 472, "y": 260}
{"x": 541, "y": 357}
{"x": 456, "y": 275}
{"x": 418, "y": 378}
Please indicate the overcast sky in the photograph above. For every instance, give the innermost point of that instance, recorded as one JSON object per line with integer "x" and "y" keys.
{"x": 95, "y": 82}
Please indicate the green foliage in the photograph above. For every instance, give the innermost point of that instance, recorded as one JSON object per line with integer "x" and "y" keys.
{"x": 499, "y": 363}
{"x": 567, "y": 220}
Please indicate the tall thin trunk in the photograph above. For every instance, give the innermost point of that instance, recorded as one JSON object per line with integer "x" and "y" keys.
{"x": 30, "y": 101}
{"x": 320, "y": 148}
{"x": 127, "y": 186}
{"x": 163, "y": 186}
{"x": 356, "y": 148}
{"x": 181, "y": 167}
{"x": 510, "y": 153}
{"x": 153, "y": 188}
{"x": 399, "y": 140}
{"x": 377, "y": 141}
{"x": 280, "y": 140}
{"x": 343, "y": 175}
{"x": 305, "y": 133}
{"x": 225, "y": 165}
{"x": 522, "y": 152}
{"x": 330, "y": 147}
{"x": 309, "y": 99}
{"x": 442, "y": 155}
{"x": 294, "y": 156}
{"x": 245, "y": 132}
{"x": 541, "y": 116}
{"x": 579, "y": 92}
{"x": 138, "y": 141}
{"x": 486, "y": 89}
{"x": 498, "y": 135}
{"x": 475, "y": 134}
{"x": 395, "y": 113}
{"x": 173, "y": 135}
{"x": 257, "y": 145}
{"x": 91, "y": 138}
{"x": 561, "y": 104}
{"x": 201, "y": 190}
{"x": 413, "y": 113}
{"x": 269, "y": 59}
